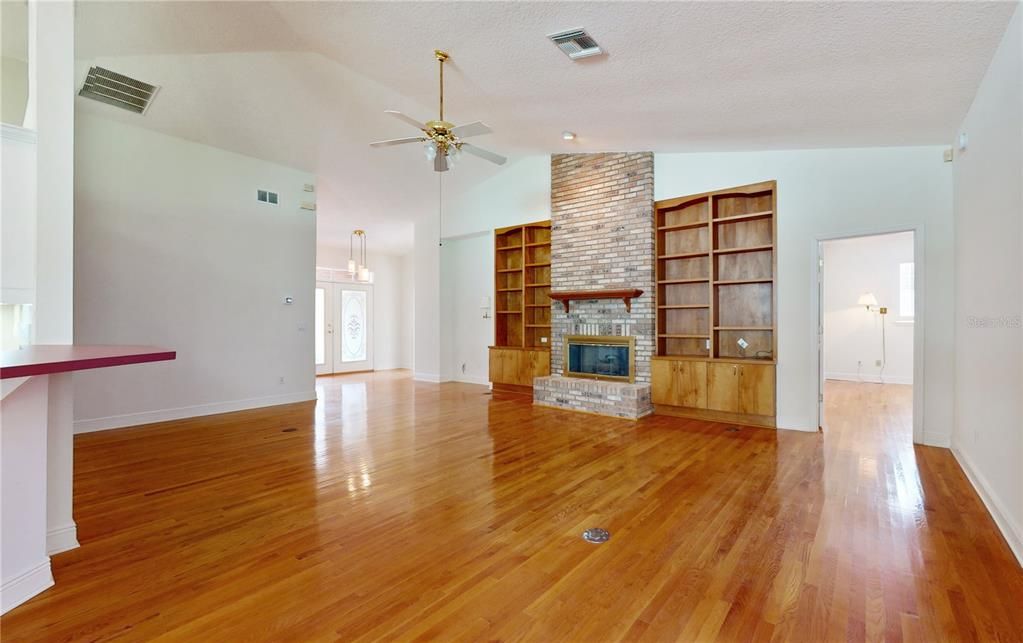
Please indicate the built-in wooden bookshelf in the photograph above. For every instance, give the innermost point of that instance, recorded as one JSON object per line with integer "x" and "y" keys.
{"x": 522, "y": 306}
{"x": 715, "y": 274}
{"x": 716, "y": 304}
{"x": 522, "y": 272}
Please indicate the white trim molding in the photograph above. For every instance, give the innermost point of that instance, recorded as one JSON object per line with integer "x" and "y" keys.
{"x": 24, "y": 586}
{"x": 867, "y": 378}
{"x": 62, "y": 539}
{"x": 10, "y": 132}
{"x": 1010, "y": 531}
{"x": 426, "y": 377}
{"x": 164, "y": 415}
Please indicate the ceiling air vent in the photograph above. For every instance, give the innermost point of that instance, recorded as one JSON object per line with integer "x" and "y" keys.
{"x": 576, "y": 43}
{"x": 118, "y": 90}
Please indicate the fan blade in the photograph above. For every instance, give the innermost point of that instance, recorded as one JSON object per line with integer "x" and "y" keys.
{"x": 398, "y": 141}
{"x": 408, "y": 119}
{"x": 484, "y": 154}
{"x": 471, "y": 129}
{"x": 440, "y": 164}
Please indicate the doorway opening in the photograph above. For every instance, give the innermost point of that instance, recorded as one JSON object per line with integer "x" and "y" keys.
{"x": 867, "y": 318}
{"x": 344, "y": 323}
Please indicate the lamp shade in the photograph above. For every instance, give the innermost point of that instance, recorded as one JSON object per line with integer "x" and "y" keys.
{"x": 867, "y": 299}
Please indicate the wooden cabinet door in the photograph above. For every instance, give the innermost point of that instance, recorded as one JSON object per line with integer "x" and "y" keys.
{"x": 540, "y": 364}
{"x": 723, "y": 387}
{"x": 663, "y": 389}
{"x": 512, "y": 367}
{"x": 691, "y": 384}
{"x": 497, "y": 365}
{"x": 756, "y": 389}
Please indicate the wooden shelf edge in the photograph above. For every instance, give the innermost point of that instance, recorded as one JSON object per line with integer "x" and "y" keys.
{"x": 724, "y": 360}
{"x": 745, "y": 217}
{"x": 729, "y": 251}
{"x": 682, "y": 226}
{"x": 686, "y": 255}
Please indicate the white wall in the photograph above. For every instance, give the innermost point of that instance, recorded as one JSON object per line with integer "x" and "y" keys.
{"x": 821, "y": 193}
{"x": 852, "y": 335}
{"x": 988, "y": 437}
{"x": 18, "y": 225}
{"x": 172, "y": 249}
{"x": 465, "y": 333}
{"x": 392, "y": 303}
{"x": 427, "y": 339}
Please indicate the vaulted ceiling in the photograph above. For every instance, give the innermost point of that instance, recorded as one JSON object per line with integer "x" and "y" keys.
{"x": 305, "y": 83}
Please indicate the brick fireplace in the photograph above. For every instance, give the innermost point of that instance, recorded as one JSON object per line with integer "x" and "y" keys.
{"x": 602, "y": 237}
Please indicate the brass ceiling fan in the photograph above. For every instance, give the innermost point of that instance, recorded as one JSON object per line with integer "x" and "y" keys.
{"x": 443, "y": 140}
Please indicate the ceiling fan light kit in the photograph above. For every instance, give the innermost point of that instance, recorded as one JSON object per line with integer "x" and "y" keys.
{"x": 443, "y": 140}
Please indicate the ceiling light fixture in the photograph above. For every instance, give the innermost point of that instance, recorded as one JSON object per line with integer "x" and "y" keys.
{"x": 568, "y": 136}
{"x": 444, "y": 142}
{"x": 358, "y": 272}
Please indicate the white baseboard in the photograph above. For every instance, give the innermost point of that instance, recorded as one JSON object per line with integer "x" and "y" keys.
{"x": 866, "y": 377}
{"x": 163, "y": 415}
{"x": 426, "y": 377}
{"x": 467, "y": 379}
{"x": 19, "y": 589}
{"x": 62, "y": 539}
{"x": 1010, "y": 530}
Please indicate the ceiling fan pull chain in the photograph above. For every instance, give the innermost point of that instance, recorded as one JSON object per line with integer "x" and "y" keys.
{"x": 440, "y": 210}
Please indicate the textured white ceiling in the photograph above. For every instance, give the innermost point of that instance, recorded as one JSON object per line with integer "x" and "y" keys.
{"x": 305, "y": 83}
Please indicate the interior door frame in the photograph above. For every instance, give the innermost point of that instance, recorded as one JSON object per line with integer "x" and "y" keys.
{"x": 919, "y": 314}
{"x": 327, "y": 368}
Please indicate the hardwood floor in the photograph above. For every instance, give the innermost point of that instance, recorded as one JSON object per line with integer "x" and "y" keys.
{"x": 399, "y": 510}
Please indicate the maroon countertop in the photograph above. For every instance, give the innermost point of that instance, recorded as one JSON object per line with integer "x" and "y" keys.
{"x": 44, "y": 359}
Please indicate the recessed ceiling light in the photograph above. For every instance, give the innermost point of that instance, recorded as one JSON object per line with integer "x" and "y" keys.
{"x": 568, "y": 136}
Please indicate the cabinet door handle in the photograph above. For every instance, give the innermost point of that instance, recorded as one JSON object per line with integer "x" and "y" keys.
{"x": 735, "y": 369}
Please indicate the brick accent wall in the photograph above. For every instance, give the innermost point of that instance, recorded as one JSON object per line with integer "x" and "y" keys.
{"x": 602, "y": 236}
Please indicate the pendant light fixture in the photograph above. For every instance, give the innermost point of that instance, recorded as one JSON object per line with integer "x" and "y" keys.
{"x": 359, "y": 271}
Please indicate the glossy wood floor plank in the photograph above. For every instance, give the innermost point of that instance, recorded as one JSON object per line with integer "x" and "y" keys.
{"x": 400, "y": 510}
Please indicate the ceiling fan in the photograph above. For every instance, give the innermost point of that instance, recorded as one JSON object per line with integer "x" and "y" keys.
{"x": 444, "y": 143}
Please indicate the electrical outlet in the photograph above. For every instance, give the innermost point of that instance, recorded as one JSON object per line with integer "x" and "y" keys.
{"x": 281, "y": 380}
{"x": 463, "y": 368}
{"x": 877, "y": 362}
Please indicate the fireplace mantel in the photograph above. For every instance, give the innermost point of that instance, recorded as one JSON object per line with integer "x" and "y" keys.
{"x": 626, "y": 295}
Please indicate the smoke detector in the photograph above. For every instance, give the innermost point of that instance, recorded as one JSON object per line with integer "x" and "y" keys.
{"x": 118, "y": 90}
{"x": 576, "y": 43}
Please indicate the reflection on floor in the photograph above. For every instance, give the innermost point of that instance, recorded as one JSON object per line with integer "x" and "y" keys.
{"x": 404, "y": 510}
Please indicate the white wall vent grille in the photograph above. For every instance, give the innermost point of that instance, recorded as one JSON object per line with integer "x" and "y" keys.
{"x": 118, "y": 90}
{"x": 576, "y": 43}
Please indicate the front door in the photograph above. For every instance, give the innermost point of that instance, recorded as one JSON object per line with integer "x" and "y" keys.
{"x": 353, "y": 336}
{"x": 344, "y": 327}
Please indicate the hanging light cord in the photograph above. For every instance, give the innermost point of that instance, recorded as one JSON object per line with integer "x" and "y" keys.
{"x": 440, "y": 208}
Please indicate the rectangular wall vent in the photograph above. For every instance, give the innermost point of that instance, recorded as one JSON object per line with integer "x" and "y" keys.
{"x": 576, "y": 43}
{"x": 118, "y": 90}
{"x": 266, "y": 196}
